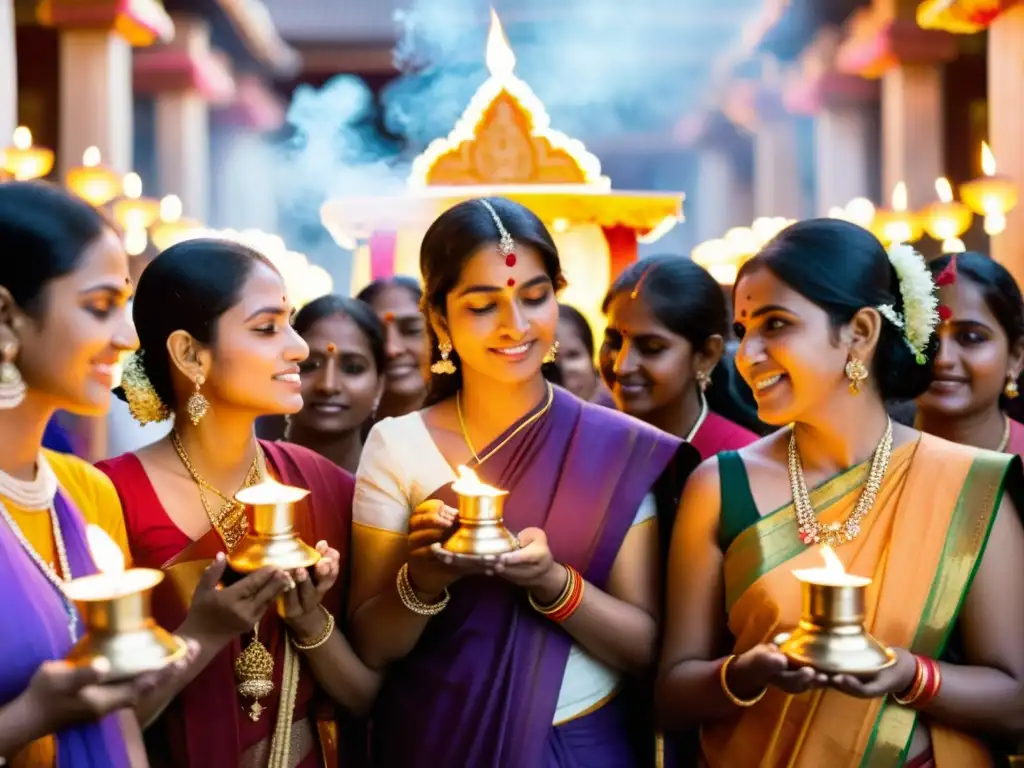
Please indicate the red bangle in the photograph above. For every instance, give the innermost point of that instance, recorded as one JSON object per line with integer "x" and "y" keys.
{"x": 567, "y": 603}
{"x": 925, "y": 686}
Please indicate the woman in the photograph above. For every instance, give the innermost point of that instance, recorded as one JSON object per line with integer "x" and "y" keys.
{"x": 830, "y": 328}
{"x": 576, "y": 356}
{"x": 662, "y": 352}
{"x": 216, "y": 352}
{"x": 981, "y": 353}
{"x": 342, "y": 379}
{"x": 507, "y": 684}
{"x": 396, "y": 300}
{"x": 63, "y": 327}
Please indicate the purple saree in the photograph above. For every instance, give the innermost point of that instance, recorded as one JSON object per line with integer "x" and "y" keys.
{"x": 35, "y": 629}
{"x": 481, "y": 687}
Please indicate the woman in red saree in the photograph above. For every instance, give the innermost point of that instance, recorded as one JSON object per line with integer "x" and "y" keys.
{"x": 216, "y": 352}
{"x": 832, "y": 326}
{"x": 981, "y": 354}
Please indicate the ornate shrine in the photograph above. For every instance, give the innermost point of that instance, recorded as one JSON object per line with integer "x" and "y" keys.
{"x": 503, "y": 145}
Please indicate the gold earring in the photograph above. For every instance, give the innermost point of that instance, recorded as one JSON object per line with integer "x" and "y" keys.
{"x": 856, "y": 372}
{"x": 552, "y": 354}
{"x": 444, "y": 366}
{"x": 703, "y": 380}
{"x": 197, "y": 405}
{"x": 12, "y": 386}
{"x": 1011, "y": 390}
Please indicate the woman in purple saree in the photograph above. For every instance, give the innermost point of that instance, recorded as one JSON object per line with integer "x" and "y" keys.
{"x": 481, "y": 672}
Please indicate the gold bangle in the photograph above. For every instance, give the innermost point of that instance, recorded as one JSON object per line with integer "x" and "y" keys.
{"x": 729, "y": 694}
{"x": 324, "y": 636}
{"x": 563, "y": 598}
{"x": 412, "y": 601}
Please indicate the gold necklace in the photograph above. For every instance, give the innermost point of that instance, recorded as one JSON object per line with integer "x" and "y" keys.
{"x": 516, "y": 431}
{"x": 231, "y": 522}
{"x": 700, "y": 419}
{"x": 1005, "y": 440}
{"x": 834, "y": 534}
{"x": 254, "y": 667}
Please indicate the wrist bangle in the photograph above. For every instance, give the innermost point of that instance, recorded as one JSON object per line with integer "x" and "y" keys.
{"x": 568, "y": 601}
{"x": 729, "y": 694}
{"x": 925, "y": 686}
{"x": 410, "y": 599}
{"x": 324, "y": 636}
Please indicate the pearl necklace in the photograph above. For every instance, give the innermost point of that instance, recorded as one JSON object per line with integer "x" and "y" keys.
{"x": 834, "y": 534}
{"x": 30, "y": 496}
{"x": 700, "y": 419}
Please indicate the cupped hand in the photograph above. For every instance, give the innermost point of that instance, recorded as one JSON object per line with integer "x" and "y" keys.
{"x": 531, "y": 566}
{"x": 62, "y": 694}
{"x": 765, "y": 665}
{"x": 895, "y": 679}
{"x": 300, "y": 606}
{"x": 431, "y": 523}
{"x": 221, "y": 613}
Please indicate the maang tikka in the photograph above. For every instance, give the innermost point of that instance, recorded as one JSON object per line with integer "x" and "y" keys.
{"x": 506, "y": 245}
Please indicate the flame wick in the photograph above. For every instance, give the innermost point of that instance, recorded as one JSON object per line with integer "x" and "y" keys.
{"x": 988, "y": 160}
{"x": 107, "y": 556}
{"x": 22, "y": 138}
{"x": 501, "y": 61}
{"x": 944, "y": 190}
{"x": 899, "y": 197}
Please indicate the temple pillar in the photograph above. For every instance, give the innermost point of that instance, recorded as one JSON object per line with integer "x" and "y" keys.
{"x": 185, "y": 77}
{"x": 778, "y": 185}
{"x": 884, "y": 42}
{"x": 8, "y": 73}
{"x": 1006, "y": 127}
{"x": 96, "y": 40}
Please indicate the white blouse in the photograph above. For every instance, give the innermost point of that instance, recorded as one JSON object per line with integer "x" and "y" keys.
{"x": 399, "y": 469}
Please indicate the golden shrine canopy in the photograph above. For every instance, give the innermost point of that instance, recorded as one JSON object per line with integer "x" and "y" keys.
{"x": 504, "y": 145}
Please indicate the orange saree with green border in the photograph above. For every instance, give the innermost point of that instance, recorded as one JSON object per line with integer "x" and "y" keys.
{"x": 921, "y": 545}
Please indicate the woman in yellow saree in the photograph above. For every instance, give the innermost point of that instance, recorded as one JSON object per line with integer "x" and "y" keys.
{"x": 830, "y": 329}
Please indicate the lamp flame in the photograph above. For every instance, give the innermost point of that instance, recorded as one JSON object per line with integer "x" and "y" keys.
{"x": 105, "y": 553}
{"x": 499, "y": 56}
{"x": 170, "y": 209}
{"x": 944, "y": 190}
{"x": 988, "y": 160}
{"x": 91, "y": 157}
{"x": 833, "y": 574}
{"x": 22, "y": 138}
{"x": 132, "y": 185}
{"x": 469, "y": 484}
{"x": 899, "y": 197}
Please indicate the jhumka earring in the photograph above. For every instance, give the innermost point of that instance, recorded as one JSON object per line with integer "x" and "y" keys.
{"x": 552, "y": 354}
{"x": 703, "y": 380}
{"x": 1011, "y": 390}
{"x": 12, "y": 386}
{"x": 197, "y": 405}
{"x": 856, "y": 372}
{"x": 444, "y": 365}
{"x": 254, "y": 674}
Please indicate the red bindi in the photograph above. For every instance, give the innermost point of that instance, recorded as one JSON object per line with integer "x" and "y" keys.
{"x": 510, "y": 260}
{"x": 944, "y": 312}
{"x": 389, "y": 316}
{"x": 331, "y": 348}
{"x": 511, "y": 282}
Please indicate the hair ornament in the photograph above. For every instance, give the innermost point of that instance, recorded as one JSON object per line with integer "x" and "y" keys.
{"x": 920, "y": 305}
{"x": 144, "y": 403}
{"x": 506, "y": 245}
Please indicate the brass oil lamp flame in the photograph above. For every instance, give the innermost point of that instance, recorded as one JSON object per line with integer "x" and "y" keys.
{"x": 272, "y": 539}
{"x": 115, "y": 607}
{"x": 481, "y": 530}
{"x": 831, "y": 637}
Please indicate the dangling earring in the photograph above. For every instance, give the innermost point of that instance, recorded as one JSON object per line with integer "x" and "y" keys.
{"x": 12, "y": 386}
{"x": 197, "y": 405}
{"x": 856, "y": 372}
{"x": 444, "y": 365}
{"x": 1011, "y": 390}
{"x": 551, "y": 355}
{"x": 703, "y": 380}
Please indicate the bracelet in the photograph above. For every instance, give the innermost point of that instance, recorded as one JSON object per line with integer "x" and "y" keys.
{"x": 324, "y": 637}
{"x": 925, "y": 686}
{"x": 568, "y": 601}
{"x": 411, "y": 601}
{"x": 729, "y": 694}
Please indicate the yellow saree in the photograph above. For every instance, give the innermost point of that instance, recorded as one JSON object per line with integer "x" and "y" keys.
{"x": 921, "y": 545}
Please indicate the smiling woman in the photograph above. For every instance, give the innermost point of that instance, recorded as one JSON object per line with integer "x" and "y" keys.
{"x": 217, "y": 351}
{"x": 513, "y": 679}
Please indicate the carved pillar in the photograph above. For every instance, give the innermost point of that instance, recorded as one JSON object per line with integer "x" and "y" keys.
{"x": 723, "y": 196}
{"x": 8, "y": 73}
{"x": 778, "y": 186}
{"x": 1006, "y": 127}
{"x": 185, "y": 77}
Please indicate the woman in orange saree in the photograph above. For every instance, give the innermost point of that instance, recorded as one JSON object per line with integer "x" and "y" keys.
{"x": 217, "y": 350}
{"x": 829, "y": 329}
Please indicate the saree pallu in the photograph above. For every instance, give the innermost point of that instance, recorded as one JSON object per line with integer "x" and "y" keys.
{"x": 207, "y": 723}
{"x": 481, "y": 686}
{"x": 35, "y": 629}
{"x": 921, "y": 544}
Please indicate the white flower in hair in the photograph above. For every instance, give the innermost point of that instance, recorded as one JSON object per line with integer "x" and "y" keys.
{"x": 920, "y": 314}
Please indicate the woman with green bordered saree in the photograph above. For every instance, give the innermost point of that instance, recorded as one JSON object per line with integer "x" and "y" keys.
{"x": 830, "y": 328}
